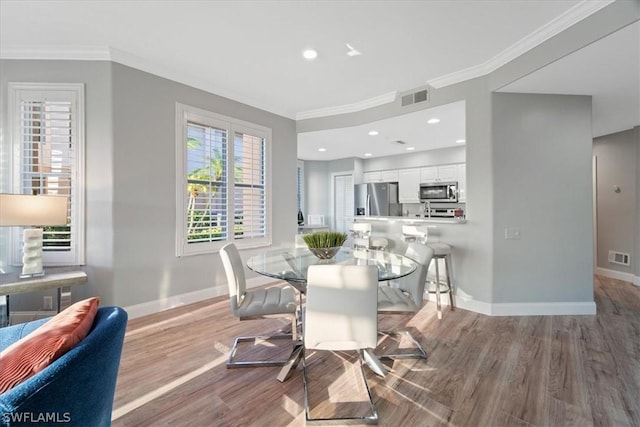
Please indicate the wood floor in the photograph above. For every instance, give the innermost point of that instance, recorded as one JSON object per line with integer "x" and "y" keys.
{"x": 481, "y": 371}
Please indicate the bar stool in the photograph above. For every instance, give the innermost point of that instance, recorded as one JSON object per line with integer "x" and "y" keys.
{"x": 378, "y": 243}
{"x": 441, "y": 251}
{"x": 361, "y": 235}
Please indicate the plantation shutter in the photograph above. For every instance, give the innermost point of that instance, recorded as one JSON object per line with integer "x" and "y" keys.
{"x": 207, "y": 219}
{"x": 48, "y": 145}
{"x": 249, "y": 182}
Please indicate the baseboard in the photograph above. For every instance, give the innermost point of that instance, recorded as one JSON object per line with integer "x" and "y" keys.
{"x": 151, "y": 307}
{"x": 466, "y": 302}
{"x": 543, "y": 309}
{"x": 618, "y": 275}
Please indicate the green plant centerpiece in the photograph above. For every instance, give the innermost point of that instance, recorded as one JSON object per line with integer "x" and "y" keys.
{"x": 325, "y": 244}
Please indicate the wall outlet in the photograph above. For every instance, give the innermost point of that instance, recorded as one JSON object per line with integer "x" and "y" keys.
{"x": 511, "y": 233}
{"x": 47, "y": 303}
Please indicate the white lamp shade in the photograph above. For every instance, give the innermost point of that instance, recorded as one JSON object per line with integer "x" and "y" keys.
{"x": 28, "y": 210}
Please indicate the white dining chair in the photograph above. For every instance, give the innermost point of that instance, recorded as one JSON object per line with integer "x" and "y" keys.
{"x": 405, "y": 295}
{"x": 341, "y": 315}
{"x": 275, "y": 301}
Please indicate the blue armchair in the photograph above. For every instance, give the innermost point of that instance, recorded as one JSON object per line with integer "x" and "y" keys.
{"x": 78, "y": 388}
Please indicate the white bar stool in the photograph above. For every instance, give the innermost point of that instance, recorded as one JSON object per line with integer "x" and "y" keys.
{"x": 361, "y": 235}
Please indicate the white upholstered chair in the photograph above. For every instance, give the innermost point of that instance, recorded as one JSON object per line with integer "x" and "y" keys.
{"x": 405, "y": 295}
{"x": 275, "y": 301}
{"x": 340, "y": 315}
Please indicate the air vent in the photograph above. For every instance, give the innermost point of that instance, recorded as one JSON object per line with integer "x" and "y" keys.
{"x": 618, "y": 258}
{"x": 399, "y": 142}
{"x": 415, "y": 97}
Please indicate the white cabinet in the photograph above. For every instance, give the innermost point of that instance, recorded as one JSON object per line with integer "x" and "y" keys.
{"x": 429, "y": 174}
{"x": 445, "y": 173}
{"x": 448, "y": 173}
{"x": 381, "y": 176}
{"x": 389, "y": 176}
{"x": 372, "y": 176}
{"x": 462, "y": 182}
{"x": 409, "y": 185}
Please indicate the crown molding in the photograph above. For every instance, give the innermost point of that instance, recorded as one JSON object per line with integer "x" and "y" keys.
{"x": 106, "y": 53}
{"x": 69, "y": 53}
{"x": 348, "y": 108}
{"x": 572, "y": 16}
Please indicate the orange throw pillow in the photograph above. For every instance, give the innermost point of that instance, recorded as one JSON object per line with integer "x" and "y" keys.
{"x": 31, "y": 354}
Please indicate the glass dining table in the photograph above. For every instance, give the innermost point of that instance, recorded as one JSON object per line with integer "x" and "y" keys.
{"x": 291, "y": 264}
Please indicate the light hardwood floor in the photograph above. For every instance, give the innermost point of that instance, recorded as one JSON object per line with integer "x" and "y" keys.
{"x": 481, "y": 371}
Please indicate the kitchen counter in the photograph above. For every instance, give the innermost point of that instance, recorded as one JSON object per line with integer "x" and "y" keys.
{"x": 412, "y": 220}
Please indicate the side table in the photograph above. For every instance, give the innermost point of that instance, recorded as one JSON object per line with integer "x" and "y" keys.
{"x": 61, "y": 278}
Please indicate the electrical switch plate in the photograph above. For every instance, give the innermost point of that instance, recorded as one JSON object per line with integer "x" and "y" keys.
{"x": 511, "y": 233}
{"x": 47, "y": 304}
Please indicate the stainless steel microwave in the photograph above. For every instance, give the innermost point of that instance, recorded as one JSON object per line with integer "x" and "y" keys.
{"x": 439, "y": 192}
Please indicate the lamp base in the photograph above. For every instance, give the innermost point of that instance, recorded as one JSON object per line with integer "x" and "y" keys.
{"x": 32, "y": 253}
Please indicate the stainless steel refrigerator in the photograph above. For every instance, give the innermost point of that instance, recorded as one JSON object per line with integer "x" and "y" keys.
{"x": 377, "y": 199}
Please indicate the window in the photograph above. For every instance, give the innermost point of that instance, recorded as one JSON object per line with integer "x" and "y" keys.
{"x": 223, "y": 182}
{"x": 47, "y": 144}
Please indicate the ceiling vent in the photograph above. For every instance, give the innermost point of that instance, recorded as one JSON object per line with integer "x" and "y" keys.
{"x": 415, "y": 97}
{"x": 398, "y": 142}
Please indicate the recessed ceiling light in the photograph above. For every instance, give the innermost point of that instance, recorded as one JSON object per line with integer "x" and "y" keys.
{"x": 322, "y": 149}
{"x": 433, "y": 121}
{"x": 460, "y": 141}
{"x": 411, "y": 148}
{"x": 309, "y": 54}
{"x": 368, "y": 154}
{"x": 373, "y": 132}
{"x": 352, "y": 51}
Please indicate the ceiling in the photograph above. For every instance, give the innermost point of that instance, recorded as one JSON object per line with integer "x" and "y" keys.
{"x": 250, "y": 51}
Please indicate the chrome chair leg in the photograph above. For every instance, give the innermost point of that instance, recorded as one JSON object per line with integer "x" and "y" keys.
{"x": 368, "y": 419}
{"x": 420, "y": 352}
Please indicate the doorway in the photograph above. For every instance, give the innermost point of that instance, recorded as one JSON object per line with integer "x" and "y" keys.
{"x": 342, "y": 200}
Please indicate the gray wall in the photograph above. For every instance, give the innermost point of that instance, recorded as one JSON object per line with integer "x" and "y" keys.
{"x": 130, "y": 178}
{"x": 96, "y": 76}
{"x": 542, "y": 186}
{"x": 316, "y": 188}
{"x": 617, "y": 165}
{"x": 145, "y": 266}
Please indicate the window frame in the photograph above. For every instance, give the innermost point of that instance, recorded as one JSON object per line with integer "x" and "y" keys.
{"x": 184, "y": 115}
{"x": 17, "y": 91}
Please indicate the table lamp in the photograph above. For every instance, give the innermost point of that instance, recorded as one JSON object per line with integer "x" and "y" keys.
{"x": 28, "y": 210}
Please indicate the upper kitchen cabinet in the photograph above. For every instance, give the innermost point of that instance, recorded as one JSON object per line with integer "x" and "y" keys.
{"x": 409, "y": 185}
{"x": 380, "y": 176}
{"x": 389, "y": 176}
{"x": 445, "y": 173}
{"x": 372, "y": 177}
